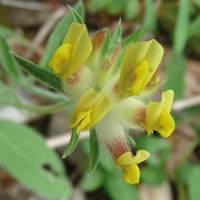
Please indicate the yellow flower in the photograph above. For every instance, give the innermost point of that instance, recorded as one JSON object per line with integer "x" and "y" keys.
{"x": 91, "y": 108}
{"x": 73, "y": 52}
{"x": 158, "y": 116}
{"x": 129, "y": 164}
{"x": 138, "y": 67}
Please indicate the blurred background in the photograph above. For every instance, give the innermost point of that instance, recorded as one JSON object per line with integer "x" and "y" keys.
{"x": 33, "y": 124}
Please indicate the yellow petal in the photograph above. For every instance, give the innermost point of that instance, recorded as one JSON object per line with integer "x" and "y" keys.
{"x": 78, "y": 37}
{"x": 167, "y": 100}
{"x": 131, "y": 174}
{"x": 165, "y": 124}
{"x": 60, "y": 58}
{"x": 153, "y": 57}
{"x": 83, "y": 119}
{"x": 153, "y": 112}
{"x": 136, "y": 80}
{"x": 91, "y": 108}
{"x": 141, "y": 156}
{"x": 158, "y": 115}
{"x": 101, "y": 108}
{"x": 151, "y": 52}
{"x": 124, "y": 159}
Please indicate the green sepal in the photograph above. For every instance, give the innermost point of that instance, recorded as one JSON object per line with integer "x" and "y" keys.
{"x": 134, "y": 37}
{"x": 77, "y": 17}
{"x": 106, "y": 43}
{"x": 42, "y": 74}
{"x": 94, "y": 150}
{"x": 72, "y": 144}
{"x": 116, "y": 37}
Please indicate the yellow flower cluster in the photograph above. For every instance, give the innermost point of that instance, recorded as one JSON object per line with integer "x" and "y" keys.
{"x": 108, "y": 92}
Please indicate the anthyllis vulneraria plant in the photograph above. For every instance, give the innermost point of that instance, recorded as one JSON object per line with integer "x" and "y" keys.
{"x": 109, "y": 83}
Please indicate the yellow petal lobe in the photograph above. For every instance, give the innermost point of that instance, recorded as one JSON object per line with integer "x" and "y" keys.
{"x": 141, "y": 60}
{"x": 128, "y": 163}
{"x": 90, "y": 109}
{"x": 78, "y": 37}
{"x": 131, "y": 174}
{"x": 136, "y": 80}
{"x": 73, "y": 52}
{"x": 60, "y": 59}
{"x": 158, "y": 116}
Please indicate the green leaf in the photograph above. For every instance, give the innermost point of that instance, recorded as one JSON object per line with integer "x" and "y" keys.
{"x": 152, "y": 175}
{"x": 94, "y": 150}
{"x": 182, "y": 26}
{"x": 116, "y": 37}
{"x": 193, "y": 183}
{"x": 117, "y": 189}
{"x": 149, "y": 17}
{"x": 76, "y": 16}
{"x": 42, "y": 74}
{"x": 135, "y": 37}
{"x": 25, "y": 155}
{"x": 93, "y": 181}
{"x": 7, "y": 61}
{"x": 72, "y": 144}
{"x": 59, "y": 32}
{"x": 175, "y": 75}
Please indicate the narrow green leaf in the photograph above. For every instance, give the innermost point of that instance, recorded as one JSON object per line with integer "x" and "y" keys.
{"x": 72, "y": 144}
{"x": 7, "y": 61}
{"x": 42, "y": 74}
{"x": 135, "y": 37}
{"x": 149, "y": 17}
{"x": 43, "y": 92}
{"x": 25, "y": 155}
{"x": 175, "y": 75}
{"x": 59, "y": 32}
{"x": 193, "y": 183}
{"x": 76, "y": 16}
{"x": 41, "y": 109}
{"x": 94, "y": 150}
{"x": 116, "y": 37}
{"x": 182, "y": 26}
